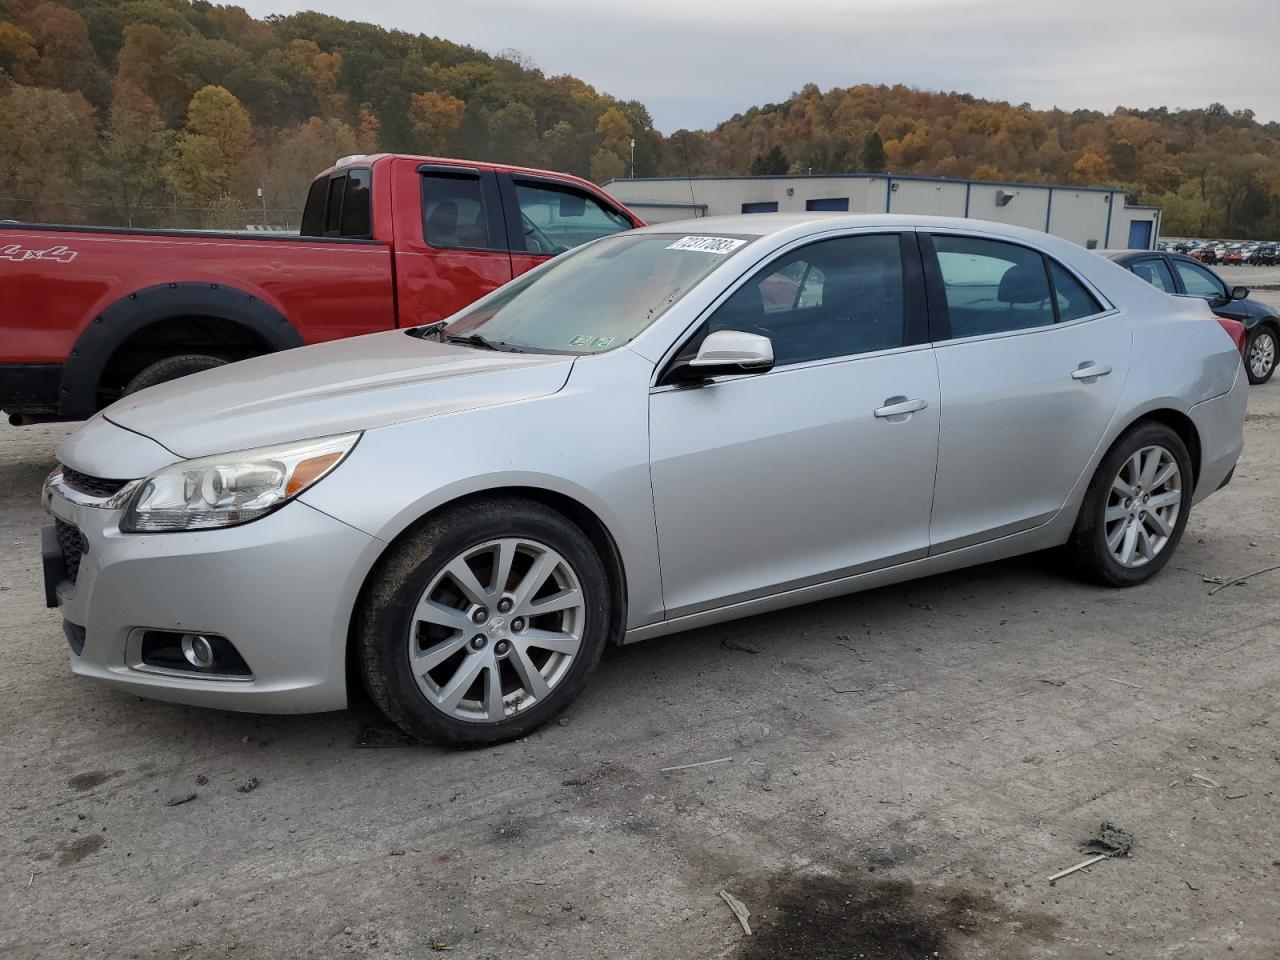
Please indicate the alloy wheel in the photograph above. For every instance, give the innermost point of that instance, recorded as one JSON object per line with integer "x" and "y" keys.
{"x": 496, "y": 630}
{"x": 1143, "y": 506}
{"x": 1262, "y": 355}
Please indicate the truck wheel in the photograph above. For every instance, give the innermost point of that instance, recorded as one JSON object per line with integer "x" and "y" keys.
{"x": 171, "y": 368}
{"x": 484, "y": 623}
{"x": 1260, "y": 354}
{"x": 1135, "y": 509}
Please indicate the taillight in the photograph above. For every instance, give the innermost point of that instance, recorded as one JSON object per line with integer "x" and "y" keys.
{"x": 1235, "y": 330}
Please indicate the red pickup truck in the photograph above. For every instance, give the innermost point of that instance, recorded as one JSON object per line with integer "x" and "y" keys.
{"x": 88, "y": 314}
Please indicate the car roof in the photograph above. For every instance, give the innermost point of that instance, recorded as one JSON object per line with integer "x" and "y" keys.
{"x": 769, "y": 224}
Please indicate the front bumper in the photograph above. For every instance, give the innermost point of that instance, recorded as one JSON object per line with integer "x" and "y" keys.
{"x": 281, "y": 589}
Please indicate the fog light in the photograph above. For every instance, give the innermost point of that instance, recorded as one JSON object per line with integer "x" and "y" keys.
{"x": 197, "y": 650}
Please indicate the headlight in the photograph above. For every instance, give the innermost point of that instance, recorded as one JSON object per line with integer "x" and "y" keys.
{"x": 230, "y": 488}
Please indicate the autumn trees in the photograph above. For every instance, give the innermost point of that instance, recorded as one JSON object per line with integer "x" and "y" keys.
{"x": 171, "y": 113}
{"x": 1213, "y": 171}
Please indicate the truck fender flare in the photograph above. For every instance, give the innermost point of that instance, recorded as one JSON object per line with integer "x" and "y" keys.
{"x": 99, "y": 340}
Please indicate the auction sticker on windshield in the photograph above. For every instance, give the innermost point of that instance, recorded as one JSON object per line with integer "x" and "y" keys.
{"x": 716, "y": 245}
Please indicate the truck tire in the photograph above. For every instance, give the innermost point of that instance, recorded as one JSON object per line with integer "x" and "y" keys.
{"x": 171, "y": 368}
{"x": 450, "y": 640}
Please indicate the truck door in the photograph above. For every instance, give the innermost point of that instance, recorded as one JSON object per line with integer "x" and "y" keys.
{"x": 458, "y": 252}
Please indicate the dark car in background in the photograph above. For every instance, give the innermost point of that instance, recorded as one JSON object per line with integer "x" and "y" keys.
{"x": 1264, "y": 255}
{"x": 1184, "y": 276}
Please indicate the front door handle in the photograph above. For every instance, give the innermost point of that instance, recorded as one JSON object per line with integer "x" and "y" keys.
{"x": 1090, "y": 371}
{"x": 899, "y": 408}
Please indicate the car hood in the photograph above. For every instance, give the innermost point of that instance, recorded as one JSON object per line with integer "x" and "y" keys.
{"x": 338, "y": 387}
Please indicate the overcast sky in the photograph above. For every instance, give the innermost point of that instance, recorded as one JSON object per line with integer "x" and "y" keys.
{"x": 697, "y": 62}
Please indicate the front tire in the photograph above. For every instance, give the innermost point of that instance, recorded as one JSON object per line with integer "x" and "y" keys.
{"x": 1135, "y": 509}
{"x": 171, "y": 368}
{"x": 1260, "y": 353}
{"x": 483, "y": 624}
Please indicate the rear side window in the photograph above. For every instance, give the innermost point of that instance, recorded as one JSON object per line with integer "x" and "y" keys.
{"x": 333, "y": 209}
{"x": 339, "y": 207}
{"x": 555, "y": 220}
{"x": 1156, "y": 273}
{"x": 356, "y": 223}
{"x": 992, "y": 287}
{"x": 454, "y": 216}
{"x": 1072, "y": 299}
{"x": 313, "y": 212}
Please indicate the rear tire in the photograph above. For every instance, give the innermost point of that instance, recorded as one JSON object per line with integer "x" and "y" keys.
{"x": 1261, "y": 351}
{"x": 451, "y": 643}
{"x": 1135, "y": 509}
{"x": 171, "y": 368}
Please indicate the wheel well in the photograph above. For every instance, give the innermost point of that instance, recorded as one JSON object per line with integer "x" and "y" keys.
{"x": 1182, "y": 425}
{"x": 215, "y": 336}
{"x": 584, "y": 517}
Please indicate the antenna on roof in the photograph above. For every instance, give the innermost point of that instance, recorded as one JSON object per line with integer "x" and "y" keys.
{"x": 688, "y": 173}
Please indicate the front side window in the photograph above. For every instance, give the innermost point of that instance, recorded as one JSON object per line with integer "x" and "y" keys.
{"x": 833, "y": 298}
{"x": 453, "y": 212}
{"x": 557, "y": 219}
{"x": 1155, "y": 272}
{"x": 1199, "y": 282}
{"x": 596, "y": 298}
{"x": 992, "y": 286}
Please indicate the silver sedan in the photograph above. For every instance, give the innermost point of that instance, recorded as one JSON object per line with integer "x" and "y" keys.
{"x": 666, "y": 428}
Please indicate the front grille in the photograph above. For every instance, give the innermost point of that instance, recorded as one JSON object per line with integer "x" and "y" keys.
{"x": 73, "y": 545}
{"x": 91, "y": 486}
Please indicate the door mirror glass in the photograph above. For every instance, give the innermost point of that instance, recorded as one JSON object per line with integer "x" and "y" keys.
{"x": 1239, "y": 293}
{"x": 723, "y": 353}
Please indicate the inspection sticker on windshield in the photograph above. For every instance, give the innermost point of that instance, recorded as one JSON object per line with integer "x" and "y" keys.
{"x": 717, "y": 245}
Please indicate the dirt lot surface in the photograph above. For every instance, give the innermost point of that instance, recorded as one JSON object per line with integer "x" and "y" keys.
{"x": 905, "y": 769}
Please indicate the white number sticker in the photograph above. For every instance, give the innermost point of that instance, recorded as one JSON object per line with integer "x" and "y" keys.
{"x": 717, "y": 245}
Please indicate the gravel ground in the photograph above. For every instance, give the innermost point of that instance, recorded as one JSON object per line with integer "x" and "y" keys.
{"x": 905, "y": 769}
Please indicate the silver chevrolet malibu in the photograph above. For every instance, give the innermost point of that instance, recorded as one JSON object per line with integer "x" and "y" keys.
{"x": 662, "y": 429}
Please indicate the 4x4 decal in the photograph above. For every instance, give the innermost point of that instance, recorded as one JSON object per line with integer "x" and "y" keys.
{"x": 15, "y": 251}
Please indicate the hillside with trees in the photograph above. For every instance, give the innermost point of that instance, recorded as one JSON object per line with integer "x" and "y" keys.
{"x": 168, "y": 112}
{"x": 150, "y": 112}
{"x": 1214, "y": 172}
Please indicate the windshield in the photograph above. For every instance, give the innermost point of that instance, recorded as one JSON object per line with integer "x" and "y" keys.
{"x": 598, "y": 297}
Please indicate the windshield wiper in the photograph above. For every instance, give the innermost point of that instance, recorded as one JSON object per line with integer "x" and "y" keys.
{"x": 481, "y": 341}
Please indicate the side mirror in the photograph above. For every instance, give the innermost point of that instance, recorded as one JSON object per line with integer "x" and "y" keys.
{"x": 1239, "y": 293}
{"x": 723, "y": 353}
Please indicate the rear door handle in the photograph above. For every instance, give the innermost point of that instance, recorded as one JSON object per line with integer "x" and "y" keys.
{"x": 1090, "y": 371}
{"x": 899, "y": 407}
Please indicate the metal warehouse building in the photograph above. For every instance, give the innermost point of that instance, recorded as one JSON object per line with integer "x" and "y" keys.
{"x": 1094, "y": 217}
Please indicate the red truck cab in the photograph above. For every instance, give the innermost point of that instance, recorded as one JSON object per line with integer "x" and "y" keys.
{"x": 88, "y": 314}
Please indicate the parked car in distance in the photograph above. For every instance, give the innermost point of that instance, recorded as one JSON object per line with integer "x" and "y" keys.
{"x": 1184, "y": 277}
{"x": 627, "y": 442}
{"x": 1234, "y": 255}
{"x": 92, "y": 314}
{"x": 1264, "y": 255}
{"x": 1205, "y": 254}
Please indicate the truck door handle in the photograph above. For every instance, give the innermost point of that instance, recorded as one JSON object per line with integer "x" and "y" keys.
{"x": 899, "y": 407}
{"x": 1090, "y": 371}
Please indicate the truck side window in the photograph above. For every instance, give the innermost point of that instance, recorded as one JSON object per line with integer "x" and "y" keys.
{"x": 453, "y": 212}
{"x": 333, "y": 209}
{"x": 313, "y": 212}
{"x": 356, "y": 221}
{"x": 557, "y": 219}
